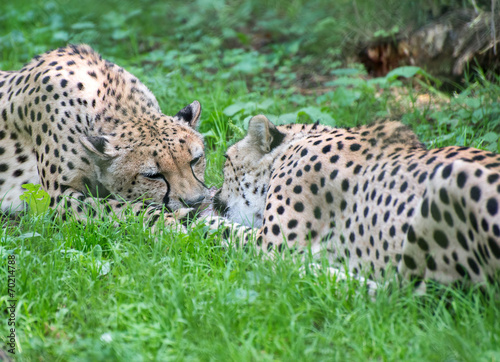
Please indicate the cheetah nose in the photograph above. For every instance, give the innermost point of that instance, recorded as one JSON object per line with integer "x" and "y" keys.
{"x": 194, "y": 203}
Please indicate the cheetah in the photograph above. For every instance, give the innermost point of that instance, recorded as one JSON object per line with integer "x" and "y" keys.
{"x": 88, "y": 131}
{"x": 372, "y": 197}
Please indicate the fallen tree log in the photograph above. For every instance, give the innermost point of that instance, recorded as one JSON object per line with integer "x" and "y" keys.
{"x": 444, "y": 47}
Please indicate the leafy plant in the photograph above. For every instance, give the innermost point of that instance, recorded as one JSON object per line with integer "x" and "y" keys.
{"x": 38, "y": 200}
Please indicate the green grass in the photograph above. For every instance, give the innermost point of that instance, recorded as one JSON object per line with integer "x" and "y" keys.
{"x": 102, "y": 293}
{"x": 99, "y": 293}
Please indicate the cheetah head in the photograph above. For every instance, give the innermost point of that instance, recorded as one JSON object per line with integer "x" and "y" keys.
{"x": 159, "y": 160}
{"x": 247, "y": 171}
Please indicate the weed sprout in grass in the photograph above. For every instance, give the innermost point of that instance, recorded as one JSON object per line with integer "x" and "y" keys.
{"x": 38, "y": 200}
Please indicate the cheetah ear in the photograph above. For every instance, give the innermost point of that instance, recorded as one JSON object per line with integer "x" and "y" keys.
{"x": 264, "y": 134}
{"x": 98, "y": 146}
{"x": 190, "y": 114}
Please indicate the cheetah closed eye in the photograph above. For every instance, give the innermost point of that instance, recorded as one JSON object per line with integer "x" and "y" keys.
{"x": 85, "y": 128}
{"x": 374, "y": 197}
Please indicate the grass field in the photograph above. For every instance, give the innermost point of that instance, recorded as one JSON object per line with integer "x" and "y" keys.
{"x": 101, "y": 293}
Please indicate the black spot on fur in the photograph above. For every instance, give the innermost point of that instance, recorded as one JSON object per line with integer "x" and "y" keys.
{"x": 409, "y": 262}
{"x": 299, "y": 206}
{"x": 461, "y": 179}
{"x": 475, "y": 193}
{"x": 317, "y": 212}
{"x": 492, "y": 206}
{"x": 447, "y": 171}
{"x": 494, "y": 247}
{"x": 355, "y": 147}
{"x": 436, "y": 214}
{"x": 443, "y": 196}
{"x": 462, "y": 240}
{"x": 493, "y": 178}
{"x": 441, "y": 239}
{"x": 425, "y": 208}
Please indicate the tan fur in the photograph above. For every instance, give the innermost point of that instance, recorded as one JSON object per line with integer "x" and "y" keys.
{"x": 362, "y": 194}
{"x": 82, "y": 126}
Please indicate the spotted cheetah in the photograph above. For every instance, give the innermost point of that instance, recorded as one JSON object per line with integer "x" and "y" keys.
{"x": 373, "y": 197}
{"x": 87, "y": 129}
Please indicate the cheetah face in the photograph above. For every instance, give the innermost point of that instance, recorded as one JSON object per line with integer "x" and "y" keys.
{"x": 246, "y": 174}
{"x": 163, "y": 163}
{"x": 243, "y": 194}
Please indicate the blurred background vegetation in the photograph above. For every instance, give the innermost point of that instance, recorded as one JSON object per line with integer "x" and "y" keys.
{"x": 295, "y": 60}
{"x": 314, "y": 27}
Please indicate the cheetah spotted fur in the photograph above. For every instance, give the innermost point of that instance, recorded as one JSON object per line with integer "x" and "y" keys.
{"x": 87, "y": 129}
{"x": 373, "y": 197}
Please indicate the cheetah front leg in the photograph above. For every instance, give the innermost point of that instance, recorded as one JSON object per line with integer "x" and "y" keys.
{"x": 232, "y": 233}
{"x": 82, "y": 207}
